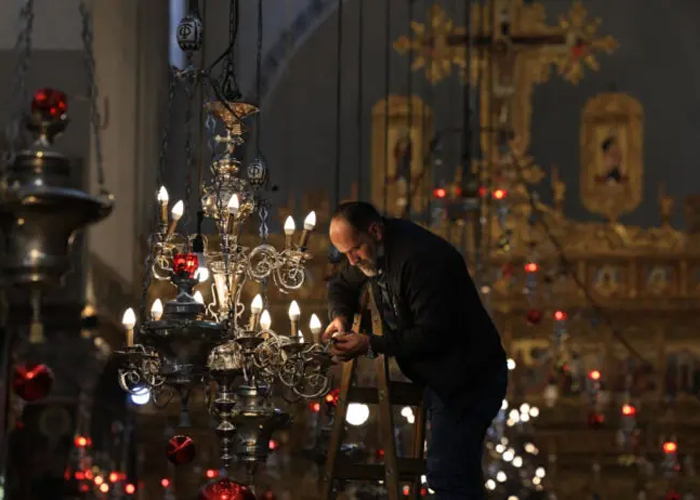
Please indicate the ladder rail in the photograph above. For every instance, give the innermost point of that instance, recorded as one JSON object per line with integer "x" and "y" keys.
{"x": 386, "y": 395}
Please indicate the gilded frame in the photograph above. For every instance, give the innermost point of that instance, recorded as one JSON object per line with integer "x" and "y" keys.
{"x": 612, "y": 154}
{"x": 406, "y": 118}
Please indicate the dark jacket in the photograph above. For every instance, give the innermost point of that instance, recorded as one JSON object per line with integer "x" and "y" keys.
{"x": 443, "y": 336}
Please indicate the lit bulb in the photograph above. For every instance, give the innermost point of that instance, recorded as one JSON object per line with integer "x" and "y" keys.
{"x": 129, "y": 319}
{"x": 257, "y": 304}
{"x": 162, "y": 195}
{"x": 202, "y": 274}
{"x": 178, "y": 210}
{"x": 310, "y": 221}
{"x": 357, "y": 414}
{"x": 157, "y": 310}
{"x": 294, "y": 311}
{"x": 198, "y": 297}
{"x": 265, "y": 320}
{"x": 233, "y": 204}
{"x": 315, "y": 324}
{"x": 300, "y": 337}
{"x": 289, "y": 226}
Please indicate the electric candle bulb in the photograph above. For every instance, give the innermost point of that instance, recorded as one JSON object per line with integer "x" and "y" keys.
{"x": 157, "y": 310}
{"x": 294, "y": 311}
{"x": 309, "y": 224}
{"x": 289, "y": 226}
{"x": 300, "y": 337}
{"x": 294, "y": 314}
{"x": 129, "y": 322}
{"x": 310, "y": 221}
{"x": 315, "y": 327}
{"x": 178, "y": 210}
{"x": 163, "y": 198}
{"x": 176, "y": 214}
{"x": 257, "y": 305}
{"x": 265, "y": 320}
{"x": 255, "y": 309}
{"x": 233, "y": 204}
{"x": 202, "y": 274}
{"x": 198, "y": 297}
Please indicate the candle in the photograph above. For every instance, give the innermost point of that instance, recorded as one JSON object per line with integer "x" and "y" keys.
{"x": 157, "y": 310}
{"x": 175, "y": 215}
{"x": 255, "y": 309}
{"x": 315, "y": 327}
{"x": 309, "y": 224}
{"x": 294, "y": 315}
{"x": 163, "y": 200}
{"x": 265, "y": 320}
{"x": 233, "y": 206}
{"x": 129, "y": 322}
{"x": 289, "y": 228}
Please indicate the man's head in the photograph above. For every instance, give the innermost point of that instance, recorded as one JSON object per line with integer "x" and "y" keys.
{"x": 357, "y": 231}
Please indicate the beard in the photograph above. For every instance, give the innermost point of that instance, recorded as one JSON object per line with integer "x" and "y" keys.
{"x": 370, "y": 267}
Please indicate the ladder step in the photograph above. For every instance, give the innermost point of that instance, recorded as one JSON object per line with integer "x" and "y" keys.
{"x": 409, "y": 469}
{"x": 402, "y": 393}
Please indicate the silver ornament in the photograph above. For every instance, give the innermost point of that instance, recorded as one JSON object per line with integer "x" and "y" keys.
{"x": 190, "y": 33}
{"x": 257, "y": 172}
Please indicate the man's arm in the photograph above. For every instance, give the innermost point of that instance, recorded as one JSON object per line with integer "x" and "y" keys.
{"x": 344, "y": 292}
{"x": 429, "y": 285}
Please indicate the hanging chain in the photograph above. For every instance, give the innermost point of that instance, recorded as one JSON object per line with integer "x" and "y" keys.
{"x": 18, "y": 96}
{"x": 229, "y": 84}
{"x": 151, "y": 254}
{"x": 258, "y": 118}
{"x": 93, "y": 92}
{"x": 189, "y": 155}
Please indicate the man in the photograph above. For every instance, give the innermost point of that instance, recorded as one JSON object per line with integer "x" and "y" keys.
{"x": 435, "y": 326}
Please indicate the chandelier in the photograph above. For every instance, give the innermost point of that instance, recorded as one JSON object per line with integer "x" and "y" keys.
{"x": 188, "y": 342}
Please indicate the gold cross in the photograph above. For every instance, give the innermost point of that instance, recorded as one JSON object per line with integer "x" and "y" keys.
{"x": 439, "y": 46}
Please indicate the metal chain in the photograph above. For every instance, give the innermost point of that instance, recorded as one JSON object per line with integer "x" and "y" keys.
{"x": 191, "y": 90}
{"x": 258, "y": 117}
{"x": 93, "y": 92}
{"x": 151, "y": 254}
{"x": 18, "y": 96}
{"x": 229, "y": 84}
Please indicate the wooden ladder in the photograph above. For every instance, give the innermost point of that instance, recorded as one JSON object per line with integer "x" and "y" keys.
{"x": 386, "y": 395}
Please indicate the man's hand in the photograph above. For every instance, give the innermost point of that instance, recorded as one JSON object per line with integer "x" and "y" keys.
{"x": 350, "y": 345}
{"x": 339, "y": 325}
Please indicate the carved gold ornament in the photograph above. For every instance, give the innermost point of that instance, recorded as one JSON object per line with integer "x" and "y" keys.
{"x": 581, "y": 44}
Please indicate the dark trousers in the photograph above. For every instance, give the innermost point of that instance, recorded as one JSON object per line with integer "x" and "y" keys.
{"x": 456, "y": 442}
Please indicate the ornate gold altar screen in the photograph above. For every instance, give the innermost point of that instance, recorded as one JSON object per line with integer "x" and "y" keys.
{"x": 647, "y": 279}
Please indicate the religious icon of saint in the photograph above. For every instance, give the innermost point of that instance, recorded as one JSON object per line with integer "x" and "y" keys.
{"x": 403, "y": 155}
{"x": 612, "y": 162}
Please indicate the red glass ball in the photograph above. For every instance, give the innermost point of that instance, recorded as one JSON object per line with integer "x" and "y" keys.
{"x": 226, "y": 489}
{"x": 595, "y": 419}
{"x": 32, "y": 381}
{"x": 181, "y": 450}
{"x": 534, "y": 316}
{"x": 185, "y": 264}
{"x": 49, "y": 103}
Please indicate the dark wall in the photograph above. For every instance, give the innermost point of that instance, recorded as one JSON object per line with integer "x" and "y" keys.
{"x": 655, "y": 63}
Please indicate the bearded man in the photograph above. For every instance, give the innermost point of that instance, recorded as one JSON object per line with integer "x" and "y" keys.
{"x": 434, "y": 325}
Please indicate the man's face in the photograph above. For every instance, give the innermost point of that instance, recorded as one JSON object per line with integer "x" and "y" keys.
{"x": 361, "y": 249}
